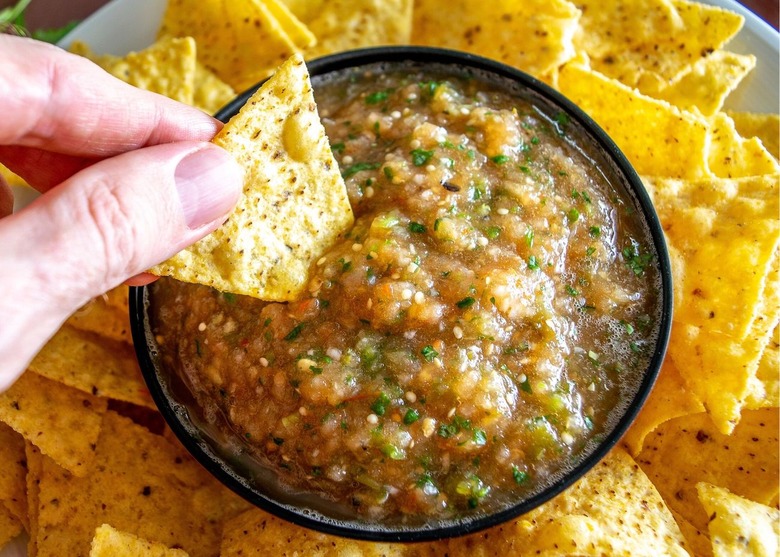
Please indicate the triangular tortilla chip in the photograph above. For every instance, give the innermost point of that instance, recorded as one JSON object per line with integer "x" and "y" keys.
{"x": 731, "y": 156}
{"x": 612, "y": 510}
{"x": 110, "y": 542}
{"x": 670, "y": 398}
{"x": 97, "y": 316}
{"x": 534, "y": 36}
{"x": 705, "y": 85}
{"x": 13, "y": 469}
{"x": 688, "y": 450}
{"x": 299, "y": 33}
{"x": 651, "y": 40}
{"x": 94, "y": 365}
{"x": 764, "y": 388}
{"x": 737, "y": 525}
{"x": 140, "y": 484}
{"x": 10, "y": 526}
{"x": 294, "y": 204}
{"x": 62, "y": 422}
{"x": 211, "y": 93}
{"x": 239, "y": 40}
{"x": 765, "y": 127}
{"x": 167, "y": 67}
{"x": 347, "y": 24}
{"x": 256, "y": 533}
{"x": 659, "y": 139}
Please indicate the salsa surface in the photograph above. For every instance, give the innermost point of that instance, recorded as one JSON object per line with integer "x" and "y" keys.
{"x": 465, "y": 340}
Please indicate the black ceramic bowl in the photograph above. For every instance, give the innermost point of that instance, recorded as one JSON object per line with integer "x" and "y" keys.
{"x": 223, "y": 456}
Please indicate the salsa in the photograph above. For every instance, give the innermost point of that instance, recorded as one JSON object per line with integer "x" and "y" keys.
{"x": 465, "y": 340}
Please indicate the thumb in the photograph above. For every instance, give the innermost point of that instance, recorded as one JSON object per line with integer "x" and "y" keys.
{"x": 111, "y": 221}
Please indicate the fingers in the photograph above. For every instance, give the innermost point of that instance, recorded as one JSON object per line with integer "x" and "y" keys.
{"x": 60, "y": 102}
{"x": 111, "y": 221}
{"x": 42, "y": 169}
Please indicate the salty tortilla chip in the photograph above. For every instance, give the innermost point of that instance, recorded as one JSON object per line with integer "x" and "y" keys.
{"x": 257, "y": 533}
{"x": 727, "y": 232}
{"x": 13, "y": 469}
{"x": 33, "y": 480}
{"x": 697, "y": 542}
{"x": 294, "y": 205}
{"x": 298, "y": 32}
{"x": 659, "y": 139}
{"x": 764, "y": 388}
{"x": 731, "y": 156}
{"x": 670, "y": 398}
{"x": 765, "y": 127}
{"x": 10, "y": 526}
{"x": 737, "y": 525}
{"x": 706, "y": 84}
{"x": 651, "y": 40}
{"x": 110, "y": 542}
{"x": 347, "y": 24}
{"x": 612, "y": 510}
{"x": 688, "y": 450}
{"x": 211, "y": 93}
{"x": 94, "y": 365}
{"x": 62, "y": 422}
{"x": 167, "y": 67}
{"x": 534, "y": 36}
{"x": 97, "y": 316}
{"x": 240, "y": 41}
{"x": 141, "y": 485}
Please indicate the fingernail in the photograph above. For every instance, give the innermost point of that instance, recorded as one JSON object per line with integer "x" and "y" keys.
{"x": 209, "y": 183}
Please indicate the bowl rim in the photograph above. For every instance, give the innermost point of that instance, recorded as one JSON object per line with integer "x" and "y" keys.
{"x": 632, "y": 183}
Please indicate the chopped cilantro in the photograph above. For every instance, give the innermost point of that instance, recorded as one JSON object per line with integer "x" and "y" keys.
{"x": 499, "y": 159}
{"x": 380, "y": 405}
{"x": 493, "y": 232}
{"x": 376, "y": 97}
{"x": 417, "y": 228}
{"x": 359, "y": 167}
{"x": 388, "y": 173}
{"x": 636, "y": 260}
{"x": 594, "y": 231}
{"x": 429, "y": 353}
{"x": 294, "y": 332}
{"x": 466, "y": 302}
{"x": 411, "y": 416}
{"x": 533, "y": 264}
{"x": 229, "y": 297}
{"x": 337, "y": 147}
{"x": 519, "y": 476}
{"x": 420, "y": 156}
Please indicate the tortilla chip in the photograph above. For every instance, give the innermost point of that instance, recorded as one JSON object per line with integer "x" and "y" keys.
{"x": 211, "y": 93}
{"x": 295, "y": 202}
{"x": 13, "y": 469}
{"x": 659, "y": 139}
{"x": 535, "y": 36}
{"x": 697, "y": 542}
{"x": 110, "y": 542}
{"x": 764, "y": 388}
{"x": 688, "y": 450}
{"x": 299, "y": 33}
{"x": 62, "y": 422}
{"x": 670, "y": 398}
{"x": 651, "y": 41}
{"x": 612, "y": 510}
{"x": 766, "y": 127}
{"x": 97, "y": 316}
{"x": 731, "y": 156}
{"x": 347, "y": 24}
{"x": 167, "y": 67}
{"x": 739, "y": 526}
{"x": 706, "y": 84}
{"x": 727, "y": 232}
{"x": 10, "y": 526}
{"x": 141, "y": 485}
{"x": 34, "y": 471}
{"x": 240, "y": 41}
{"x": 94, "y": 365}
{"x": 257, "y": 533}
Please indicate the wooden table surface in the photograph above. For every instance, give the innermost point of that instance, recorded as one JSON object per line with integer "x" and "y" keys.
{"x": 55, "y": 13}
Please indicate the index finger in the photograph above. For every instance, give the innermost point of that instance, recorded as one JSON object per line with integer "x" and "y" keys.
{"x": 56, "y": 101}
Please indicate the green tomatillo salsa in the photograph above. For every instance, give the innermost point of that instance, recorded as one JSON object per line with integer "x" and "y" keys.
{"x": 465, "y": 340}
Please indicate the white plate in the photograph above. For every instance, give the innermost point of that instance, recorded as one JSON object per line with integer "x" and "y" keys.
{"x": 125, "y": 25}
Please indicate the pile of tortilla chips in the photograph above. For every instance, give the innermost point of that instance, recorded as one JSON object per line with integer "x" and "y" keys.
{"x": 86, "y": 467}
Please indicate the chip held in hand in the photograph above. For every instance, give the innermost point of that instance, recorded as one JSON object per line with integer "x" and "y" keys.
{"x": 294, "y": 204}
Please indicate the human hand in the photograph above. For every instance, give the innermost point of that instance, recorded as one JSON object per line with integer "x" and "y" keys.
{"x": 128, "y": 179}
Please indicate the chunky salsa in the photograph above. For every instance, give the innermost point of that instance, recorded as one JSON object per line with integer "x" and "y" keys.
{"x": 467, "y": 338}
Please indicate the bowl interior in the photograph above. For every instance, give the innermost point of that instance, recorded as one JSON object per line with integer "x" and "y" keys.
{"x": 227, "y": 457}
